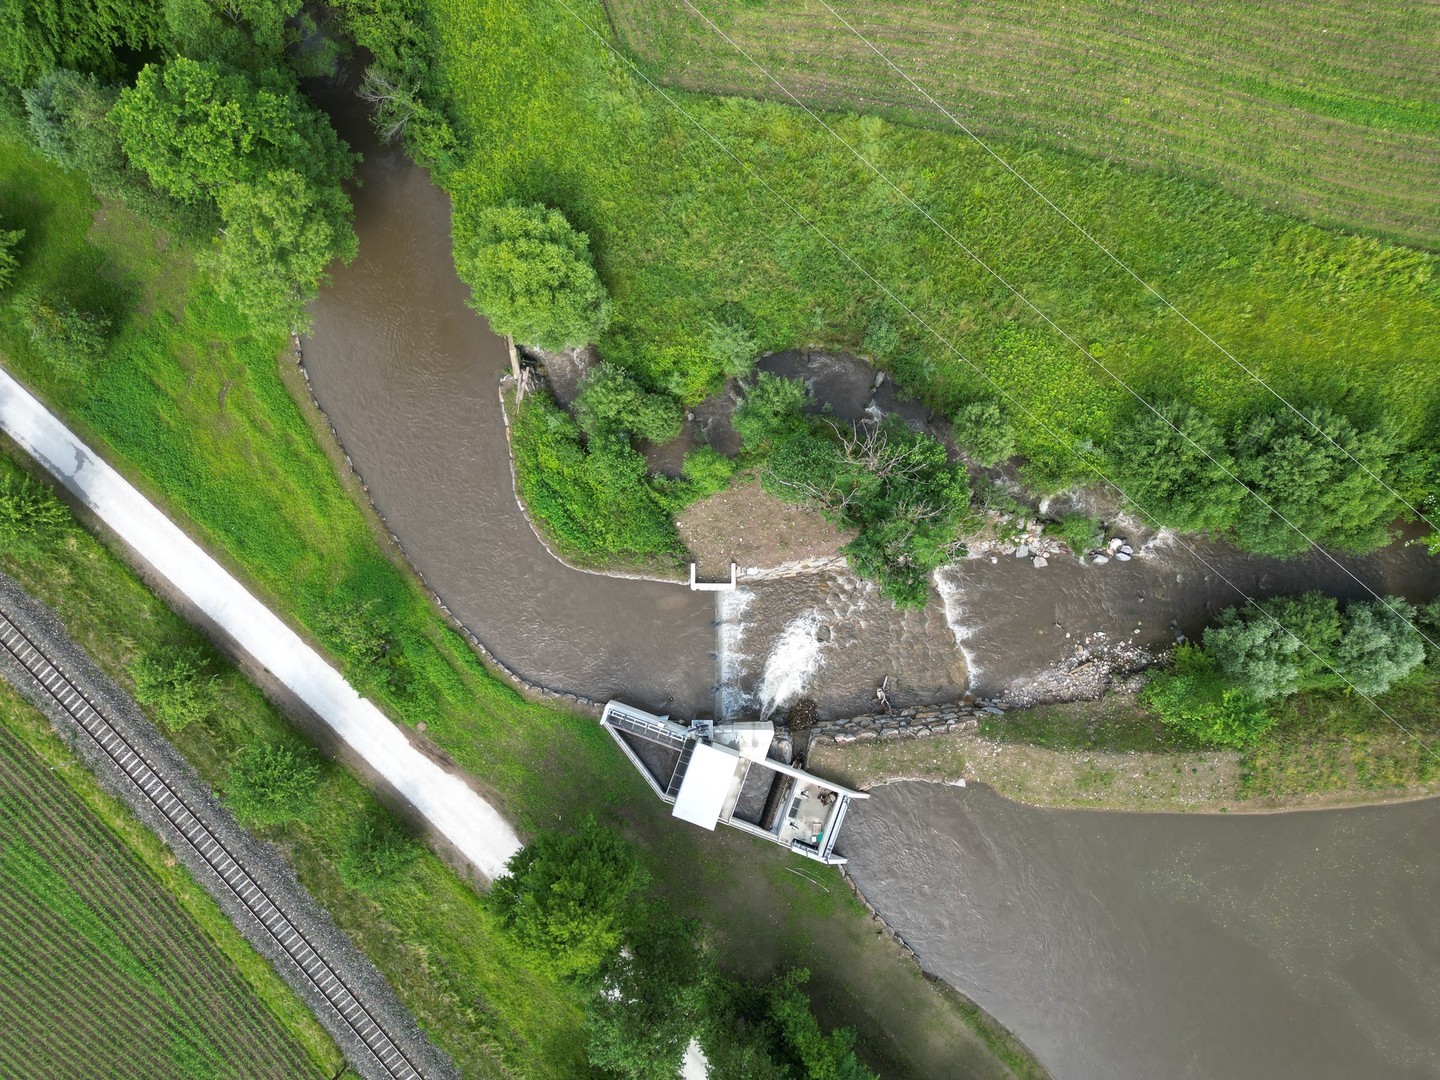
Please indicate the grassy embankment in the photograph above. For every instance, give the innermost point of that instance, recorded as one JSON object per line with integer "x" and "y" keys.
{"x": 189, "y": 403}
{"x": 1326, "y": 749}
{"x": 1348, "y": 101}
{"x": 682, "y": 235}
{"x": 115, "y": 961}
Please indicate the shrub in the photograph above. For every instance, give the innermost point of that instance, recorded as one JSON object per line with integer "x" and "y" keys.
{"x": 773, "y": 409}
{"x": 566, "y": 897}
{"x": 9, "y": 241}
{"x": 530, "y": 274}
{"x": 273, "y": 783}
{"x": 30, "y": 513}
{"x": 359, "y": 635}
{"x": 881, "y": 338}
{"x": 1196, "y": 701}
{"x": 1079, "y": 532}
{"x": 177, "y": 685}
{"x": 68, "y": 339}
{"x": 378, "y": 853}
{"x": 1378, "y": 646}
{"x": 708, "y": 471}
{"x": 611, "y": 400}
{"x": 1177, "y": 477}
{"x": 732, "y": 347}
{"x": 984, "y": 432}
{"x": 805, "y": 467}
{"x": 1315, "y": 485}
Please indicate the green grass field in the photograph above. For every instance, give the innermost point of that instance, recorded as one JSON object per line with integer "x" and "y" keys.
{"x": 102, "y": 971}
{"x": 1329, "y": 109}
{"x": 682, "y": 234}
{"x": 194, "y": 408}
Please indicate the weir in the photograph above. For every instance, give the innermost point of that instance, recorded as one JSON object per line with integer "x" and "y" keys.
{"x": 722, "y": 774}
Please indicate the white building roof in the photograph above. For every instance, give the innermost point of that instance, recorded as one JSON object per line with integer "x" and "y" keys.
{"x": 706, "y": 784}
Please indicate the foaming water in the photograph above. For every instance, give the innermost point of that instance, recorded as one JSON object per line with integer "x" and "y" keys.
{"x": 1162, "y": 945}
{"x": 732, "y": 661}
{"x": 834, "y": 638}
{"x": 792, "y": 663}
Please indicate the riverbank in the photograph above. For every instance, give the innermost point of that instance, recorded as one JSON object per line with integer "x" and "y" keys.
{"x": 1114, "y": 754}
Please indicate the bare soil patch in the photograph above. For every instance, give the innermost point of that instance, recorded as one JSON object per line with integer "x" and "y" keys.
{"x": 754, "y": 529}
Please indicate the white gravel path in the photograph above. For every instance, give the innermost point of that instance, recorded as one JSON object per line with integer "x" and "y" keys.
{"x": 466, "y": 820}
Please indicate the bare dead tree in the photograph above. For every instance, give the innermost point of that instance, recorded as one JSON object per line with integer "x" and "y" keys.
{"x": 393, "y": 100}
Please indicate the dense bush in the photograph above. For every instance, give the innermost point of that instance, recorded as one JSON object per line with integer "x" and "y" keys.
{"x": 530, "y": 274}
{"x": 1279, "y": 646}
{"x": 1197, "y": 700}
{"x": 9, "y": 263}
{"x": 66, "y": 338}
{"x": 610, "y": 400}
{"x": 1311, "y": 486}
{"x": 771, "y": 410}
{"x": 30, "y": 514}
{"x": 732, "y": 347}
{"x": 360, "y": 634}
{"x": 177, "y": 684}
{"x": 378, "y": 853}
{"x": 592, "y": 497}
{"x": 567, "y": 897}
{"x": 1173, "y": 466}
{"x": 1079, "y": 532}
{"x": 984, "y": 432}
{"x": 273, "y": 783}
{"x": 708, "y": 471}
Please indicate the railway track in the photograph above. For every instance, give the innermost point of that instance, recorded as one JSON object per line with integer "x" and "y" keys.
{"x": 291, "y": 940}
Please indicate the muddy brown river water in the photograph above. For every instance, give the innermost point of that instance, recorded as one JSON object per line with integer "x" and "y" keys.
{"x": 1118, "y": 946}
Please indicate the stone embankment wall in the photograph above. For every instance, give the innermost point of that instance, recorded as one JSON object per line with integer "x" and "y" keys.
{"x": 915, "y": 723}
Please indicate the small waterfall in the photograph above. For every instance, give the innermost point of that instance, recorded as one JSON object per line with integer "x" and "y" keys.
{"x": 951, "y": 595}
{"x": 793, "y": 659}
{"x": 730, "y": 609}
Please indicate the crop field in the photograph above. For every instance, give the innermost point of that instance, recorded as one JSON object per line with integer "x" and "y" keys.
{"x": 101, "y": 972}
{"x": 1329, "y": 108}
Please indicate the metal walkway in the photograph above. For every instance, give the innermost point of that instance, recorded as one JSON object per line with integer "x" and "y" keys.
{"x": 312, "y": 965}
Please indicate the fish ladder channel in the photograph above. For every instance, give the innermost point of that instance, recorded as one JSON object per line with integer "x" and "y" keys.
{"x": 311, "y": 963}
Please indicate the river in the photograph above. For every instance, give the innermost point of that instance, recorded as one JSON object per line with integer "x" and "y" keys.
{"x": 1116, "y": 945}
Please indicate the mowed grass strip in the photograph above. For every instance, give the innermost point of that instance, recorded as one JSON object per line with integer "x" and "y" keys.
{"x": 684, "y": 235}
{"x": 104, "y": 973}
{"x": 1329, "y": 108}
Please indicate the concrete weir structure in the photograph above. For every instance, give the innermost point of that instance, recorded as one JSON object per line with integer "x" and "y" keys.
{"x": 722, "y": 774}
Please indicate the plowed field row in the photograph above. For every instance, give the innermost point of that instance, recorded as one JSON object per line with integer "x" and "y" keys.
{"x": 1329, "y": 108}
{"x": 101, "y": 973}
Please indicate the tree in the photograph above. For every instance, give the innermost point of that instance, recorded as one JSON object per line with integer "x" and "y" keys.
{"x": 175, "y": 683}
{"x": 984, "y": 432}
{"x": 567, "y": 895}
{"x": 1278, "y": 646}
{"x": 1378, "y": 646}
{"x": 1173, "y": 467}
{"x": 611, "y": 400}
{"x": 89, "y": 35}
{"x": 1312, "y": 486}
{"x": 9, "y": 241}
{"x": 650, "y": 999}
{"x": 273, "y": 783}
{"x": 530, "y": 274}
{"x": 196, "y": 130}
{"x": 249, "y": 34}
{"x": 281, "y": 233}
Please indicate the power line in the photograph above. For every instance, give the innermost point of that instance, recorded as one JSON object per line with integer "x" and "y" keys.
{"x": 1050, "y": 431}
{"x": 879, "y": 173}
{"x": 1123, "y": 266}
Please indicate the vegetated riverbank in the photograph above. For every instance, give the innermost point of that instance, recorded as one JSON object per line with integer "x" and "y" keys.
{"x": 212, "y": 434}
{"x": 1346, "y": 105}
{"x": 1325, "y": 750}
